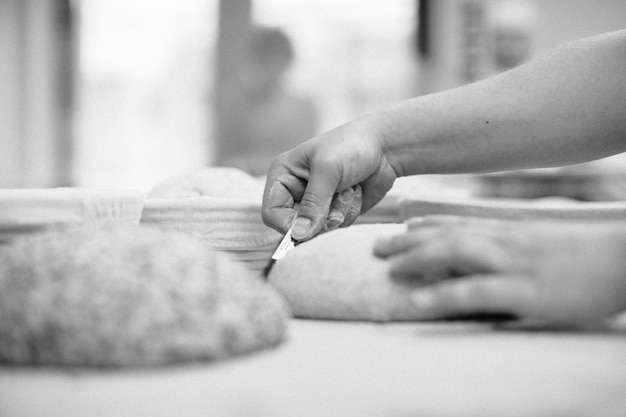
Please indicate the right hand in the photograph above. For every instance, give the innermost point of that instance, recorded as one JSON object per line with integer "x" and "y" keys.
{"x": 302, "y": 182}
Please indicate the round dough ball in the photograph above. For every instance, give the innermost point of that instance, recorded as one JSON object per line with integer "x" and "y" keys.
{"x": 337, "y": 276}
{"x": 110, "y": 296}
{"x": 215, "y": 182}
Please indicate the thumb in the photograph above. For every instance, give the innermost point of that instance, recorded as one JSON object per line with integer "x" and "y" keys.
{"x": 314, "y": 205}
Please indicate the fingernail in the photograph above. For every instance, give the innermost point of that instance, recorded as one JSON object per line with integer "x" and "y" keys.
{"x": 423, "y": 299}
{"x": 414, "y": 222}
{"x": 300, "y": 228}
{"x": 335, "y": 219}
{"x": 333, "y": 223}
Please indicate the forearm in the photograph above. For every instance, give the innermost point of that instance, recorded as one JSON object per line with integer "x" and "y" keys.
{"x": 566, "y": 107}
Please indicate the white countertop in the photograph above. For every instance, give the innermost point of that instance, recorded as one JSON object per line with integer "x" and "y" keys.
{"x": 355, "y": 369}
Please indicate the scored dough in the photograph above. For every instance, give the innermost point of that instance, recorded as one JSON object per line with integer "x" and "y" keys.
{"x": 337, "y": 276}
{"x": 111, "y": 296}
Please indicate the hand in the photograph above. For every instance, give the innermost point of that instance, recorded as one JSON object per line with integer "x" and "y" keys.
{"x": 566, "y": 273}
{"x": 319, "y": 180}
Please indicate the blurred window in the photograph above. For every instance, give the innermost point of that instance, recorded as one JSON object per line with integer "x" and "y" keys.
{"x": 143, "y": 86}
{"x": 351, "y": 56}
{"x": 146, "y": 76}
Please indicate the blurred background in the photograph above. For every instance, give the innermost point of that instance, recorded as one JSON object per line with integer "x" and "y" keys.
{"x": 125, "y": 93}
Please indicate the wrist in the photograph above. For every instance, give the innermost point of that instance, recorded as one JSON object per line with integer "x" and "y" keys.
{"x": 416, "y": 137}
{"x": 381, "y": 130}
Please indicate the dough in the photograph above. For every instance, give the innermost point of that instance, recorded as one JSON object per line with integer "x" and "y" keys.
{"x": 29, "y": 210}
{"x": 219, "y": 206}
{"x": 111, "y": 296}
{"x": 216, "y": 182}
{"x": 337, "y": 276}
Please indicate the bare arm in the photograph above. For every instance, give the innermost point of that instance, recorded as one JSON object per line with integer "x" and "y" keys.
{"x": 566, "y": 107}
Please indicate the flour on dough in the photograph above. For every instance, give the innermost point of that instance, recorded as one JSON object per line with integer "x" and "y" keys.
{"x": 113, "y": 296}
{"x": 337, "y": 276}
{"x": 216, "y": 182}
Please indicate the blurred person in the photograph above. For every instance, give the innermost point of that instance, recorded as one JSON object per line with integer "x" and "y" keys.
{"x": 565, "y": 107}
{"x": 512, "y": 24}
{"x": 265, "y": 118}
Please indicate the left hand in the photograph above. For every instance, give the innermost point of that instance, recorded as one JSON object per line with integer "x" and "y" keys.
{"x": 566, "y": 273}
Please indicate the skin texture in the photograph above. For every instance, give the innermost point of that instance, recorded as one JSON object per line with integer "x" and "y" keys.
{"x": 564, "y": 107}
{"x": 564, "y": 273}
{"x": 104, "y": 296}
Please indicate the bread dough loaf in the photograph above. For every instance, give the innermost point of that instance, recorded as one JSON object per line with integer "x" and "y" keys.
{"x": 219, "y": 206}
{"x": 216, "y": 182}
{"x": 129, "y": 296}
{"x": 337, "y": 276}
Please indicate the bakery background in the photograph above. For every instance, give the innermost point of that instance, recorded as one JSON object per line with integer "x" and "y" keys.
{"x": 153, "y": 100}
{"x": 126, "y": 93}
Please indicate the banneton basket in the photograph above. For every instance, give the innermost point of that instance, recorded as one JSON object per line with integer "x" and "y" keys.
{"x": 515, "y": 209}
{"x": 431, "y": 186}
{"x": 25, "y": 211}
{"x": 228, "y": 225}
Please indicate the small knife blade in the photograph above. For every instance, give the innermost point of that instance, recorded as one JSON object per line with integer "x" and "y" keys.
{"x": 286, "y": 244}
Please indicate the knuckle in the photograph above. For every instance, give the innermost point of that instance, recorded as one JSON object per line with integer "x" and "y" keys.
{"x": 472, "y": 294}
{"x": 313, "y": 207}
{"x": 455, "y": 297}
{"x": 310, "y": 201}
{"x": 280, "y": 161}
{"x": 458, "y": 244}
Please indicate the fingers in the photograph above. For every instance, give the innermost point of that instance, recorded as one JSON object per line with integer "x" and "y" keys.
{"x": 450, "y": 220}
{"x": 344, "y": 208}
{"x": 279, "y": 200}
{"x": 394, "y": 245}
{"x": 315, "y": 203}
{"x": 431, "y": 220}
{"x": 438, "y": 260}
{"x": 288, "y": 195}
{"x": 432, "y": 253}
{"x": 476, "y": 294}
{"x": 307, "y": 178}
{"x": 460, "y": 233}
{"x": 375, "y": 187}
{"x": 338, "y": 209}
{"x": 354, "y": 208}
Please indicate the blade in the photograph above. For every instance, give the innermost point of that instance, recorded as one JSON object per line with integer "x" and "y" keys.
{"x": 286, "y": 244}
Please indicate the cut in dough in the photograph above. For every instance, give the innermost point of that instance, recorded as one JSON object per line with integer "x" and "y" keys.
{"x": 111, "y": 296}
{"x": 337, "y": 276}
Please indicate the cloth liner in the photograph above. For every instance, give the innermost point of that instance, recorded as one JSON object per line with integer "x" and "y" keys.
{"x": 387, "y": 210}
{"x": 25, "y": 211}
{"x": 229, "y": 225}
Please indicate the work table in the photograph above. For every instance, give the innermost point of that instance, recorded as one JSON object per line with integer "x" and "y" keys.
{"x": 345, "y": 369}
